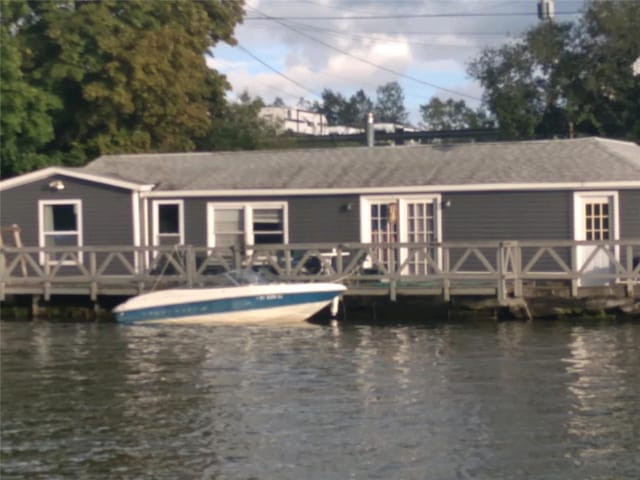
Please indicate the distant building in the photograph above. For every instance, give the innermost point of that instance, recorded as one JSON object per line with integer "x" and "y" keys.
{"x": 295, "y": 120}
{"x": 304, "y": 122}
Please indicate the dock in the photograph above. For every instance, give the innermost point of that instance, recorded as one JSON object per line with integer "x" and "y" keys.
{"x": 525, "y": 278}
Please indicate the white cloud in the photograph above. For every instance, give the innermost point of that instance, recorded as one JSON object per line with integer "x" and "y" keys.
{"x": 321, "y": 54}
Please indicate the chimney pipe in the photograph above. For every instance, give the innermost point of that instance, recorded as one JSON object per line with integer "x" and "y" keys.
{"x": 369, "y": 130}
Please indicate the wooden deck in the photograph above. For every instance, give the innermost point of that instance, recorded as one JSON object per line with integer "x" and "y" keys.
{"x": 502, "y": 270}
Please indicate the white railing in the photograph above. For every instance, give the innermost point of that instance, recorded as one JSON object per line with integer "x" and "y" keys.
{"x": 449, "y": 268}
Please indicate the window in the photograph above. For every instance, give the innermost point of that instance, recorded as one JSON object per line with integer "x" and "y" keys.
{"x": 168, "y": 221}
{"x": 246, "y": 224}
{"x": 268, "y": 226}
{"x": 60, "y": 223}
{"x": 229, "y": 226}
{"x": 596, "y": 218}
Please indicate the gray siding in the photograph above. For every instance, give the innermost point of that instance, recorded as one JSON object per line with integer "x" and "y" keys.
{"x": 324, "y": 219}
{"x": 106, "y": 211}
{"x": 508, "y": 216}
{"x": 629, "y": 214}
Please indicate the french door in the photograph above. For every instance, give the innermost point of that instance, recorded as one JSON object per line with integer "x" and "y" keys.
{"x": 407, "y": 220}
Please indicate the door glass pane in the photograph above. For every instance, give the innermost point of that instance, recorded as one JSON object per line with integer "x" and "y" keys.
{"x": 597, "y": 221}
{"x": 384, "y": 229}
{"x": 421, "y": 231}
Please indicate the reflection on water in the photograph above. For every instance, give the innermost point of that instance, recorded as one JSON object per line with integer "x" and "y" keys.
{"x": 478, "y": 400}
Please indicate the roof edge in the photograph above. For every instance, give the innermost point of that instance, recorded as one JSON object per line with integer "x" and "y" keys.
{"x": 399, "y": 190}
{"x": 49, "y": 171}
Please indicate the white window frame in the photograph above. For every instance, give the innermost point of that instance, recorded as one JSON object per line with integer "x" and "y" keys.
{"x": 155, "y": 220}
{"x": 579, "y": 232}
{"x": 77, "y": 204}
{"x": 248, "y": 208}
{"x": 403, "y": 225}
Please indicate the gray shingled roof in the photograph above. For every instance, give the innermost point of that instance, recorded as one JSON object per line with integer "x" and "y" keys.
{"x": 530, "y": 162}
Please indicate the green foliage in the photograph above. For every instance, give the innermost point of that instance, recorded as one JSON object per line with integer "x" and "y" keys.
{"x": 390, "y": 104}
{"x": 568, "y": 78}
{"x": 333, "y": 104}
{"x": 353, "y": 111}
{"x": 452, "y": 115}
{"x": 26, "y": 123}
{"x": 238, "y": 127}
{"x": 127, "y": 76}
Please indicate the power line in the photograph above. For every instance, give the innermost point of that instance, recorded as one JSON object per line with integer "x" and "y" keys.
{"x": 375, "y": 36}
{"x": 364, "y": 60}
{"x": 406, "y": 16}
{"x": 298, "y": 84}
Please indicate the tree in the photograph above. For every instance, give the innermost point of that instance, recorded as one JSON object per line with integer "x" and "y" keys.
{"x": 357, "y": 108}
{"x": 390, "y": 104}
{"x": 26, "y": 123}
{"x": 567, "y": 78}
{"x": 240, "y": 127}
{"x": 332, "y": 107}
{"x": 607, "y": 41}
{"x": 452, "y": 115}
{"x": 130, "y": 76}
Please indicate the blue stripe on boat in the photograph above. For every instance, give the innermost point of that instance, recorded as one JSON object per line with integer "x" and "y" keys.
{"x": 254, "y": 302}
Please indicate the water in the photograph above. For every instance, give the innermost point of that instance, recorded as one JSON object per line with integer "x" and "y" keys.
{"x": 475, "y": 400}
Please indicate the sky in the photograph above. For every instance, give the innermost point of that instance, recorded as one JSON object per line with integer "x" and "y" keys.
{"x": 295, "y": 49}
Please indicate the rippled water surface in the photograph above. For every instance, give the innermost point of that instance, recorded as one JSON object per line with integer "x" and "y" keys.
{"x": 476, "y": 400}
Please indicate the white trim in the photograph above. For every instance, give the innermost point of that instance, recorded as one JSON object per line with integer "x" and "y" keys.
{"x": 578, "y": 221}
{"x": 400, "y": 190}
{"x": 365, "y": 213}
{"x": 248, "y": 208}
{"x": 578, "y": 215}
{"x": 77, "y": 203}
{"x": 146, "y": 225}
{"x": 155, "y": 222}
{"x": 135, "y": 220}
{"x": 51, "y": 171}
{"x": 403, "y": 227}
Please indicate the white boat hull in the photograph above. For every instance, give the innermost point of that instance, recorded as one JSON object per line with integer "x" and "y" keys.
{"x": 270, "y": 303}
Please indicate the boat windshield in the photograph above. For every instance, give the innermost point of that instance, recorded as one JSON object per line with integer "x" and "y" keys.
{"x": 237, "y": 277}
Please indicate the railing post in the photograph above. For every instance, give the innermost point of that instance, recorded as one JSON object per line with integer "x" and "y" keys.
{"x": 575, "y": 268}
{"x": 630, "y": 267}
{"x": 446, "y": 266}
{"x": 190, "y": 267}
{"x": 393, "y": 293}
{"x": 500, "y": 269}
{"x": 46, "y": 285}
{"x": 518, "y": 290}
{"x": 94, "y": 277}
{"x": 339, "y": 265}
{"x": 3, "y": 269}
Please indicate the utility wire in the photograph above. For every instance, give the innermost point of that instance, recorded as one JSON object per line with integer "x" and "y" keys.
{"x": 407, "y": 16}
{"x": 376, "y": 37}
{"x": 298, "y": 84}
{"x": 364, "y": 60}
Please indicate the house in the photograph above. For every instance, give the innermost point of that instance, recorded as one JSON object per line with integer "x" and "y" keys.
{"x": 578, "y": 189}
{"x": 295, "y": 120}
{"x": 304, "y": 122}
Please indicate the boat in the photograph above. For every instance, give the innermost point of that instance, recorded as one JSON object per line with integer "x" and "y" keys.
{"x": 232, "y": 297}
